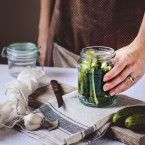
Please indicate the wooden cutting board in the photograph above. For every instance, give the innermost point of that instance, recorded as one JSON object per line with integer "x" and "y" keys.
{"x": 126, "y": 136}
{"x": 42, "y": 95}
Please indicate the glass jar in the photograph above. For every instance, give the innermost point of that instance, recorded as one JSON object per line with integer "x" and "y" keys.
{"x": 94, "y": 63}
{"x": 20, "y": 55}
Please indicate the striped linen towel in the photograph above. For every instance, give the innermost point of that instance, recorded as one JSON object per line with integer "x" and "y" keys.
{"x": 78, "y": 124}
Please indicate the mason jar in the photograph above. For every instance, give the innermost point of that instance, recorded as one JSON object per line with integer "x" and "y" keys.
{"x": 94, "y": 63}
{"x": 20, "y": 55}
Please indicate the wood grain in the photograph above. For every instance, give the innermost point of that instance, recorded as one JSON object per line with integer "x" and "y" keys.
{"x": 126, "y": 136}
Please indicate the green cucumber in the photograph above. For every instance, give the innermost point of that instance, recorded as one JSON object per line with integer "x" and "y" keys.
{"x": 135, "y": 122}
{"x": 86, "y": 64}
{"x": 106, "y": 66}
{"x": 103, "y": 96}
{"x": 98, "y": 79}
{"x": 92, "y": 90}
{"x": 120, "y": 116}
{"x": 83, "y": 84}
{"x": 86, "y": 87}
{"x": 94, "y": 62}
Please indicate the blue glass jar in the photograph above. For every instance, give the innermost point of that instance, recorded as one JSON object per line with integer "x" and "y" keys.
{"x": 20, "y": 55}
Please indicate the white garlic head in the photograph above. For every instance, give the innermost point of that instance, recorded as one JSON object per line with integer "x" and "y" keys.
{"x": 33, "y": 121}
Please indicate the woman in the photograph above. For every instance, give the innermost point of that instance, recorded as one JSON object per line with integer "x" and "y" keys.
{"x": 67, "y": 26}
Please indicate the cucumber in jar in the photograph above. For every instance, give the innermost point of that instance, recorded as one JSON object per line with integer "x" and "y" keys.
{"x": 83, "y": 78}
{"x": 93, "y": 97}
{"x": 91, "y": 79}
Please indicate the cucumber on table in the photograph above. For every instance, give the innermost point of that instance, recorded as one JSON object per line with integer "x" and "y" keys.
{"x": 120, "y": 116}
{"x": 136, "y": 122}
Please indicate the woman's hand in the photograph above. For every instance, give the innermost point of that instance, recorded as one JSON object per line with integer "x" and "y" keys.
{"x": 42, "y": 44}
{"x": 130, "y": 61}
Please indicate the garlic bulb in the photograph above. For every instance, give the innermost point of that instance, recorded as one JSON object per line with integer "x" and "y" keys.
{"x": 33, "y": 120}
{"x": 36, "y": 120}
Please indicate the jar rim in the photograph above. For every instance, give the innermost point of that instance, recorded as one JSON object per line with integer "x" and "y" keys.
{"x": 22, "y": 49}
{"x": 101, "y": 52}
{"x": 21, "y": 46}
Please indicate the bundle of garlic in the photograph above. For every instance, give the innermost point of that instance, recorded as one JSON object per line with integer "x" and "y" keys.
{"x": 17, "y": 92}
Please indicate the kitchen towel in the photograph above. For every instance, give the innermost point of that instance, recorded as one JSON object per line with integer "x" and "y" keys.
{"x": 78, "y": 124}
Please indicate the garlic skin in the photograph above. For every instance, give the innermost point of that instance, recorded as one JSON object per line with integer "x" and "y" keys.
{"x": 33, "y": 121}
{"x": 5, "y": 109}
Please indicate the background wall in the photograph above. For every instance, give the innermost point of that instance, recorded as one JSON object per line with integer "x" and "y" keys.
{"x": 18, "y": 22}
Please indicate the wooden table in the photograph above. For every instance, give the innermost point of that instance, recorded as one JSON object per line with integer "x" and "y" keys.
{"x": 65, "y": 75}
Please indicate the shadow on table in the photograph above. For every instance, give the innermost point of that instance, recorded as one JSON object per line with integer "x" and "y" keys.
{"x": 56, "y": 74}
{"x": 123, "y": 100}
{"x": 6, "y": 133}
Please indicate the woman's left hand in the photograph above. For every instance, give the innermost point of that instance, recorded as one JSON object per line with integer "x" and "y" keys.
{"x": 130, "y": 62}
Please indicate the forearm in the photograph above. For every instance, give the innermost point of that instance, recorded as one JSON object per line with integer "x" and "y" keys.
{"x": 45, "y": 14}
{"x": 141, "y": 34}
{"x": 45, "y": 18}
{"x": 139, "y": 41}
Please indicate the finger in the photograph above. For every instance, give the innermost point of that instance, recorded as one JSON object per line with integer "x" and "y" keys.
{"x": 117, "y": 80}
{"x": 136, "y": 80}
{"x": 118, "y": 88}
{"x": 122, "y": 86}
{"x": 120, "y": 65}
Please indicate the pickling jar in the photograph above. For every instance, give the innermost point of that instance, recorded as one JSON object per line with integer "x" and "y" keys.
{"x": 20, "y": 55}
{"x": 94, "y": 63}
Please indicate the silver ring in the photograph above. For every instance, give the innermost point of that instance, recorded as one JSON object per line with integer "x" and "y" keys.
{"x": 130, "y": 78}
